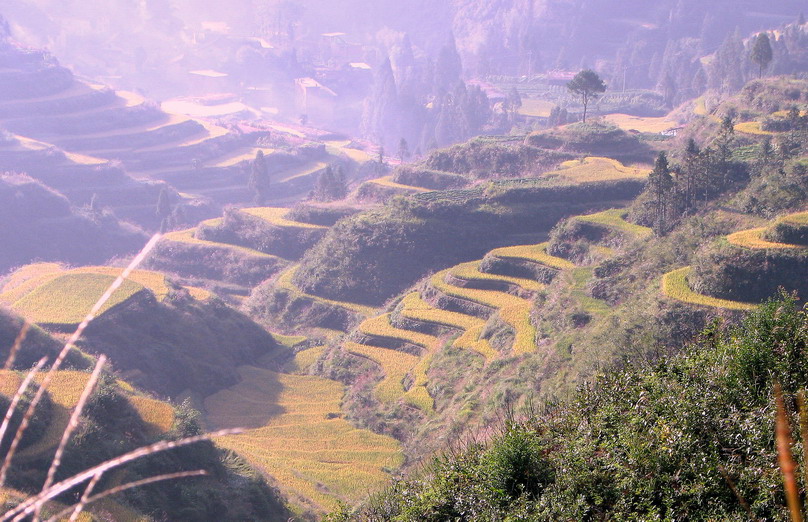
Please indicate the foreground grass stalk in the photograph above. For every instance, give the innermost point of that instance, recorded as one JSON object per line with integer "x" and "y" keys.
{"x": 28, "y": 506}
{"x": 57, "y": 363}
{"x": 785, "y": 458}
{"x": 18, "y": 396}
{"x": 12, "y": 354}
{"x": 71, "y": 427}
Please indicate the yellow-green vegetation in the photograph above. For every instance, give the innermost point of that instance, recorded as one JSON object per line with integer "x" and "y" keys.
{"x": 536, "y": 108}
{"x": 641, "y": 124}
{"x": 277, "y": 217}
{"x": 284, "y": 281}
{"x": 300, "y": 439}
{"x": 752, "y": 127}
{"x": 596, "y": 168}
{"x": 580, "y": 277}
{"x": 511, "y": 309}
{"x": 675, "y": 286}
{"x": 471, "y": 272}
{"x": 700, "y": 106}
{"x": 380, "y": 326}
{"x": 200, "y": 294}
{"x": 615, "y": 219}
{"x": 158, "y": 415}
{"x": 536, "y": 253}
{"x": 387, "y": 181}
{"x": 304, "y": 359}
{"x": 66, "y": 299}
{"x": 288, "y": 340}
{"x": 753, "y": 239}
{"x": 187, "y": 236}
{"x": 800, "y": 219}
{"x": 415, "y": 308}
{"x": 64, "y": 390}
{"x": 240, "y": 155}
{"x": 303, "y": 170}
{"x": 395, "y": 365}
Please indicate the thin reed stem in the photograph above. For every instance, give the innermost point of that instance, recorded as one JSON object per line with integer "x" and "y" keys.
{"x": 84, "y": 497}
{"x": 72, "y": 425}
{"x": 785, "y": 458}
{"x": 12, "y": 354}
{"x": 18, "y": 396}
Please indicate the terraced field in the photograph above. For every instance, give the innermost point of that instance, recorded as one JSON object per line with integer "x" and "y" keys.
{"x": 614, "y": 219}
{"x": 675, "y": 286}
{"x": 534, "y": 253}
{"x": 46, "y": 293}
{"x": 285, "y": 281}
{"x": 277, "y": 216}
{"x": 298, "y": 437}
{"x": 753, "y": 239}
{"x": 641, "y": 124}
{"x": 596, "y": 168}
{"x": 187, "y": 236}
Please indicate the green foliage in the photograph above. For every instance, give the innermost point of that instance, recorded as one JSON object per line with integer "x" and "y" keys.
{"x": 587, "y": 85}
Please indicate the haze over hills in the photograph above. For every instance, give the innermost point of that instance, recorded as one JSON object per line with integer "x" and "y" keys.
{"x": 456, "y": 260}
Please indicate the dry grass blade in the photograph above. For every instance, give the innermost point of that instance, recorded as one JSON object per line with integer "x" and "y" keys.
{"x": 71, "y": 427}
{"x": 18, "y": 396}
{"x": 63, "y": 354}
{"x": 801, "y": 403}
{"x": 785, "y": 458}
{"x": 128, "y": 485}
{"x": 734, "y": 488}
{"x": 27, "y": 507}
{"x": 84, "y": 498}
{"x": 12, "y": 354}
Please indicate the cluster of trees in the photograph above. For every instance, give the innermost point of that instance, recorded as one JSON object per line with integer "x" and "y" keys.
{"x": 423, "y": 102}
{"x": 332, "y": 185}
{"x": 704, "y": 173}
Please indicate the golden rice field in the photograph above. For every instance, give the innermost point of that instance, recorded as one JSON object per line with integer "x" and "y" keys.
{"x": 471, "y": 272}
{"x": 417, "y": 309}
{"x": 595, "y": 168}
{"x": 316, "y": 457}
{"x": 536, "y": 253}
{"x": 675, "y": 286}
{"x": 512, "y": 309}
{"x": 304, "y": 359}
{"x": 753, "y": 239}
{"x": 800, "y": 219}
{"x": 301, "y": 171}
{"x": 387, "y": 181}
{"x": 380, "y": 326}
{"x": 66, "y": 299}
{"x": 284, "y": 281}
{"x": 638, "y": 123}
{"x": 277, "y": 216}
{"x": 157, "y": 415}
{"x": 395, "y": 365}
{"x": 615, "y": 220}
{"x": 752, "y": 127}
{"x": 288, "y": 340}
{"x": 240, "y": 155}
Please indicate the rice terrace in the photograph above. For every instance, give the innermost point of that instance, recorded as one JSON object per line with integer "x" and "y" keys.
{"x": 292, "y": 260}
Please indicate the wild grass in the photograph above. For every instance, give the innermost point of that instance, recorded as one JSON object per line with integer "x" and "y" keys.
{"x": 395, "y": 365}
{"x": 284, "y": 281}
{"x": 65, "y": 299}
{"x": 471, "y": 272}
{"x": 512, "y": 309}
{"x": 675, "y": 286}
{"x": 641, "y": 124}
{"x": 303, "y": 442}
{"x": 380, "y": 326}
{"x": 535, "y": 253}
{"x": 614, "y": 219}
{"x": 597, "y": 169}
{"x": 753, "y": 239}
{"x": 276, "y": 216}
{"x": 417, "y": 309}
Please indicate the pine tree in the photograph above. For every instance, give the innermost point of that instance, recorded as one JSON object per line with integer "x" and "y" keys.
{"x": 661, "y": 183}
{"x": 163, "y": 209}
{"x": 259, "y": 179}
{"x": 403, "y": 150}
{"x": 762, "y": 53}
{"x": 587, "y": 85}
{"x": 692, "y": 174}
